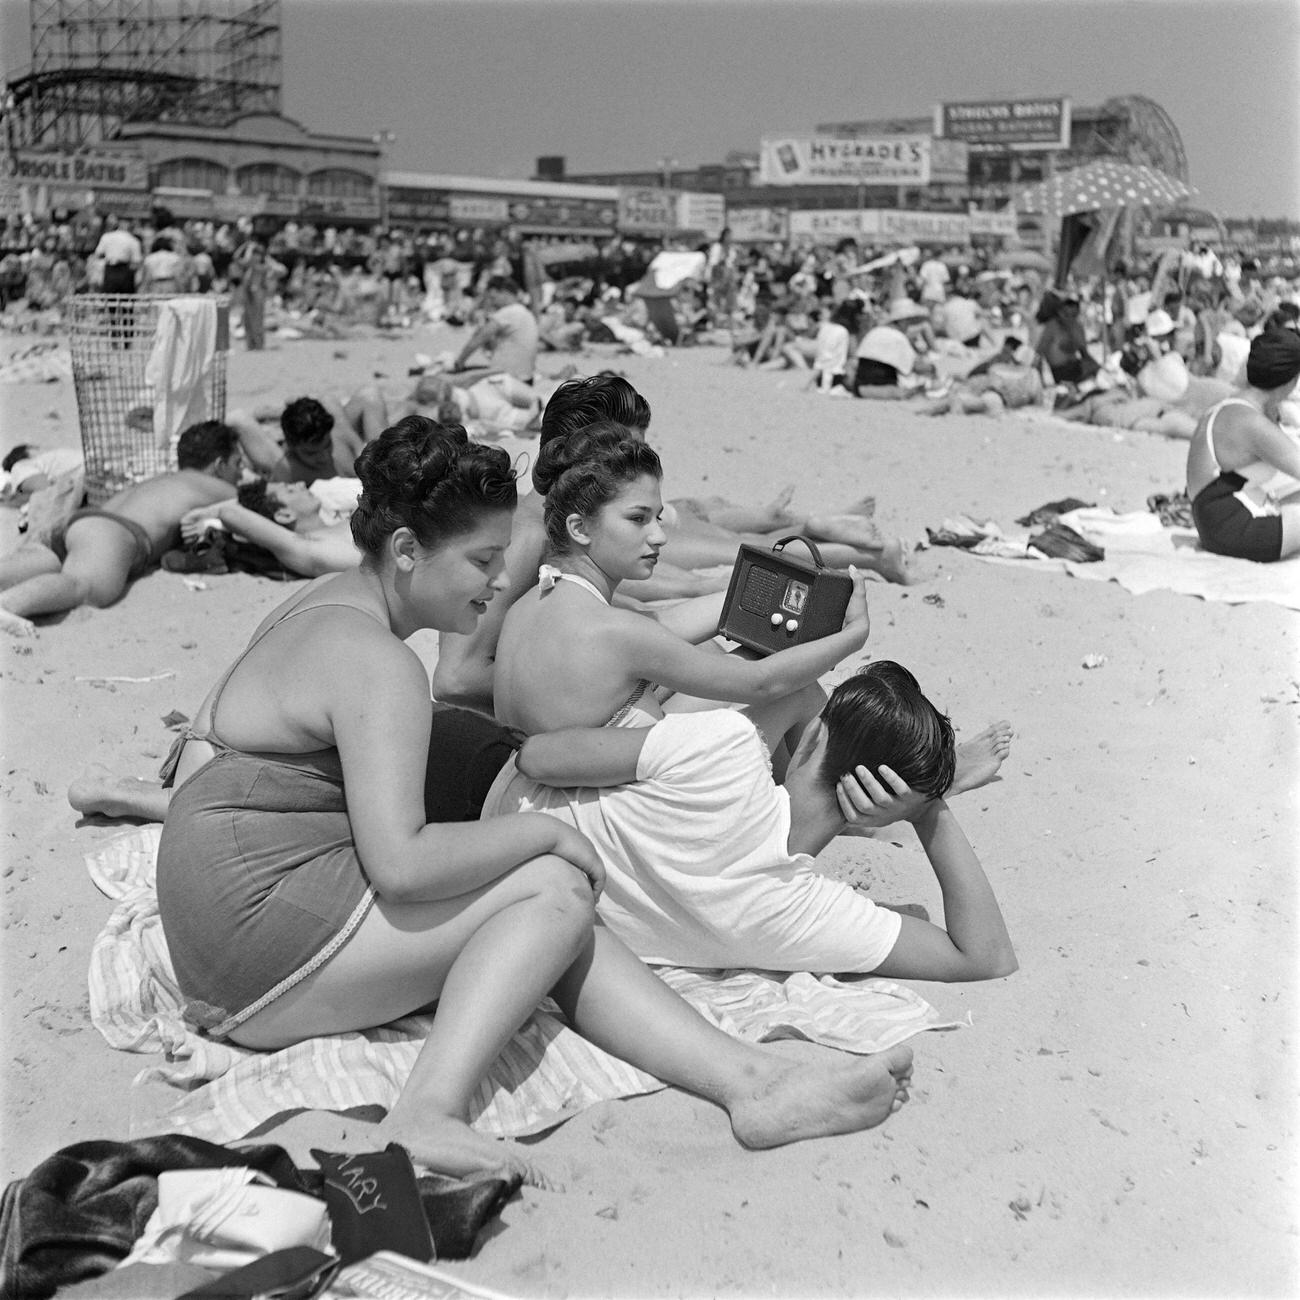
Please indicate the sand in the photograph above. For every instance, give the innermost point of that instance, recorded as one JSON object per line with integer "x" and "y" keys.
{"x": 1119, "y": 1116}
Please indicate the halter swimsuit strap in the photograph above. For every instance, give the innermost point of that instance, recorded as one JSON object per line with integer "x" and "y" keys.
{"x": 1212, "y": 415}
{"x": 212, "y": 738}
{"x": 548, "y": 575}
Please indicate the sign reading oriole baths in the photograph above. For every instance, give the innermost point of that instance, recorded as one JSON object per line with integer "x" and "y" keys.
{"x": 1006, "y": 123}
{"x": 101, "y": 171}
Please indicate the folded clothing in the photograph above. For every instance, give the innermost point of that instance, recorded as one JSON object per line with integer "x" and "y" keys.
{"x": 1061, "y": 542}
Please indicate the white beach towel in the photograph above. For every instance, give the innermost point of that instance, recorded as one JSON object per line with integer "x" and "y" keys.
{"x": 1143, "y": 555}
{"x": 546, "y": 1074}
{"x": 184, "y": 349}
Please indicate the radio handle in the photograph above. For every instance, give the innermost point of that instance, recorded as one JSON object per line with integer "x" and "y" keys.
{"x": 812, "y": 546}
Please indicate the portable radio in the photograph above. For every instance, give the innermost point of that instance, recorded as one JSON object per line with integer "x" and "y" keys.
{"x": 775, "y": 600}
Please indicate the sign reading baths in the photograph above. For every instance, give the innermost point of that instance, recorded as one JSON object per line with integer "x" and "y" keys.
{"x": 1006, "y": 123}
{"x": 101, "y": 171}
{"x": 856, "y": 160}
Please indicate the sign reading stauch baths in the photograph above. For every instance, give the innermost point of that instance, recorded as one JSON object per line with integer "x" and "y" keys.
{"x": 1006, "y": 123}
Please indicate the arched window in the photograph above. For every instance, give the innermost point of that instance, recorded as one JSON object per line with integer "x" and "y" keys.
{"x": 191, "y": 174}
{"x": 267, "y": 178}
{"x": 340, "y": 183}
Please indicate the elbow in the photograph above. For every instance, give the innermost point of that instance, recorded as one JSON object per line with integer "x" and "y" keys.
{"x": 1000, "y": 964}
{"x": 527, "y": 762}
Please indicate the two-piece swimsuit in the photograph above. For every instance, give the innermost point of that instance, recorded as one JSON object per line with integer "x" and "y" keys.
{"x": 1229, "y": 520}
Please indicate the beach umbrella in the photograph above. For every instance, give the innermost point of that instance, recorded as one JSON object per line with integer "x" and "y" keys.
{"x": 1103, "y": 183}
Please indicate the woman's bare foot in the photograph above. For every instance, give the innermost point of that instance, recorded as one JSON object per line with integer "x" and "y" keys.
{"x": 797, "y": 1102}
{"x": 979, "y": 758}
{"x": 777, "y": 510}
{"x": 99, "y": 791}
{"x": 450, "y": 1146}
{"x": 864, "y": 506}
{"x": 15, "y": 624}
{"x": 849, "y": 528}
{"x": 891, "y": 563}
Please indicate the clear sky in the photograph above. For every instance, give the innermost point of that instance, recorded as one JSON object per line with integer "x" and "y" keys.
{"x": 483, "y": 87}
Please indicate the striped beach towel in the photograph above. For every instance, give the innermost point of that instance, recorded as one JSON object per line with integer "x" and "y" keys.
{"x": 546, "y": 1074}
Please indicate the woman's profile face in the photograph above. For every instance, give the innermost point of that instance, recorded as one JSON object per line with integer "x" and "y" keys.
{"x": 626, "y": 533}
{"x": 455, "y": 581}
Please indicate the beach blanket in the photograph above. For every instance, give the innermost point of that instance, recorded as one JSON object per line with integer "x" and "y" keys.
{"x": 546, "y": 1074}
{"x": 1142, "y": 555}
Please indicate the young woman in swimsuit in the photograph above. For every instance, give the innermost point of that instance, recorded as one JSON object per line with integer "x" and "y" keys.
{"x": 1237, "y": 447}
{"x": 304, "y": 891}
{"x": 567, "y": 658}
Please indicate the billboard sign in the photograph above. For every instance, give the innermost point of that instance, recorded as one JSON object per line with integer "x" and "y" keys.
{"x": 757, "y": 225}
{"x": 647, "y": 211}
{"x": 706, "y": 213}
{"x": 1006, "y": 123}
{"x": 826, "y": 225}
{"x": 845, "y": 160}
{"x": 479, "y": 209}
{"x": 91, "y": 170}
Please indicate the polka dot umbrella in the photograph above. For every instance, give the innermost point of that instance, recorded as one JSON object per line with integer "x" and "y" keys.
{"x": 1103, "y": 183}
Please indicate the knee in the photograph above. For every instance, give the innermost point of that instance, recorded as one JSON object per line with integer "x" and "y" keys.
{"x": 562, "y": 888}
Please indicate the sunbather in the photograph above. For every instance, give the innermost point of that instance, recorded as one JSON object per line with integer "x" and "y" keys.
{"x": 92, "y": 558}
{"x": 303, "y": 890}
{"x": 709, "y": 862}
{"x": 1237, "y": 448}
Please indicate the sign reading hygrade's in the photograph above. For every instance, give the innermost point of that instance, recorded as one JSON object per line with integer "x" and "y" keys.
{"x": 101, "y": 171}
{"x": 1006, "y": 123}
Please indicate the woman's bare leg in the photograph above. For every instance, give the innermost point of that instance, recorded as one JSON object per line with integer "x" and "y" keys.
{"x": 488, "y": 958}
{"x": 616, "y": 1002}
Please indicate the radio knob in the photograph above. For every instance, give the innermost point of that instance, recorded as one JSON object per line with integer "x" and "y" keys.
{"x": 776, "y": 620}
{"x": 792, "y": 625}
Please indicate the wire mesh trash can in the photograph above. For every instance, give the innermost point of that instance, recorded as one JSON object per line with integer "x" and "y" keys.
{"x": 112, "y": 338}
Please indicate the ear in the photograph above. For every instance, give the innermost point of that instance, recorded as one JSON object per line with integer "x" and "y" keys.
{"x": 404, "y": 547}
{"x": 576, "y": 526}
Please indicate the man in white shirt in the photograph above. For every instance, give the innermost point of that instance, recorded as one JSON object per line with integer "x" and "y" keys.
{"x": 509, "y": 336}
{"x": 709, "y": 862}
{"x": 122, "y": 255}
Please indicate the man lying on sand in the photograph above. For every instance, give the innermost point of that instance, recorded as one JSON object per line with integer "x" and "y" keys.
{"x": 319, "y": 438}
{"x": 709, "y": 861}
{"x": 92, "y": 558}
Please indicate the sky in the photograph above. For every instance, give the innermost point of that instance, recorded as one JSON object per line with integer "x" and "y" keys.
{"x": 484, "y": 87}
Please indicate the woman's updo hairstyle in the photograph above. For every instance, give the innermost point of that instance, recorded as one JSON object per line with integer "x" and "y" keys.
{"x": 430, "y": 478}
{"x": 585, "y": 471}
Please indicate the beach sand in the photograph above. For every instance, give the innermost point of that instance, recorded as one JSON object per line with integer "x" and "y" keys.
{"x": 1119, "y": 1116}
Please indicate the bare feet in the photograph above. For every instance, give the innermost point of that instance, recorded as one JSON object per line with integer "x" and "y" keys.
{"x": 850, "y": 528}
{"x": 864, "y": 506}
{"x": 450, "y": 1146}
{"x": 778, "y": 509}
{"x": 891, "y": 563}
{"x": 100, "y": 791}
{"x": 799, "y": 1102}
{"x": 15, "y": 624}
{"x": 979, "y": 758}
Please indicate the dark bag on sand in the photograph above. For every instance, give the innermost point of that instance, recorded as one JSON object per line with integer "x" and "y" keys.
{"x": 376, "y": 1202}
{"x": 1061, "y": 542}
{"x": 78, "y": 1213}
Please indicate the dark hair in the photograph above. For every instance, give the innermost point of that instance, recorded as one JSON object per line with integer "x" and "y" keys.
{"x": 578, "y": 403}
{"x": 161, "y": 244}
{"x": 582, "y": 473}
{"x": 430, "y": 478}
{"x": 202, "y": 444}
{"x": 1012, "y": 342}
{"x": 879, "y": 715}
{"x": 504, "y": 284}
{"x": 305, "y": 422}
{"x": 22, "y": 451}
{"x": 1284, "y": 316}
{"x": 253, "y": 496}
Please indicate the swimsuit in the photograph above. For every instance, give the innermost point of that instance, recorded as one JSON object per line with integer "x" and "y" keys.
{"x": 259, "y": 882}
{"x": 631, "y": 713}
{"x": 143, "y": 545}
{"x": 1228, "y": 520}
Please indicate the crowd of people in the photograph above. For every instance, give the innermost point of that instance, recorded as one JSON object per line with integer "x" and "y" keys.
{"x": 339, "y": 849}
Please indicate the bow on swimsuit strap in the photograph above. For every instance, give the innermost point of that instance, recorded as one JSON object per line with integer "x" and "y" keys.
{"x": 547, "y": 576}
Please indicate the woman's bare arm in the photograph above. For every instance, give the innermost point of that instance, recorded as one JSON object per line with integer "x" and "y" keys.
{"x": 583, "y": 756}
